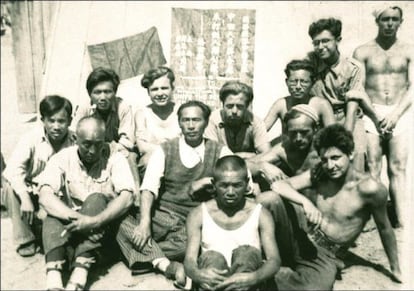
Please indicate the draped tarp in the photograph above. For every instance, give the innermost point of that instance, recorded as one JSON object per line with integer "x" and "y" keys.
{"x": 129, "y": 56}
{"x": 208, "y": 48}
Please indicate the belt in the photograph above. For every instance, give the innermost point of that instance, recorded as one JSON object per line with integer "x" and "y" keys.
{"x": 320, "y": 239}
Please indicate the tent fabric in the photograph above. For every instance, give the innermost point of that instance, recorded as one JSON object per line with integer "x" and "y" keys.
{"x": 129, "y": 56}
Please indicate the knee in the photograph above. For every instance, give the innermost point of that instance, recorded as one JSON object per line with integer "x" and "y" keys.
{"x": 269, "y": 198}
{"x": 247, "y": 253}
{"x": 212, "y": 259}
{"x": 95, "y": 203}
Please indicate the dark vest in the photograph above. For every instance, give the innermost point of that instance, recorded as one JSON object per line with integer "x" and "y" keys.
{"x": 177, "y": 178}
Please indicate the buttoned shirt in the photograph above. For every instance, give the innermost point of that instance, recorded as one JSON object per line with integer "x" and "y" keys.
{"x": 29, "y": 158}
{"x": 255, "y": 134}
{"x": 119, "y": 109}
{"x": 189, "y": 156}
{"x": 67, "y": 175}
{"x": 334, "y": 81}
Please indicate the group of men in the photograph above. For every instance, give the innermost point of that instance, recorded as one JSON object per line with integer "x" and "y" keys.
{"x": 218, "y": 203}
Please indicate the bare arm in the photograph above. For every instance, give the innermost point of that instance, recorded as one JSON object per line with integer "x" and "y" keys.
{"x": 142, "y": 233}
{"x": 377, "y": 194}
{"x": 115, "y": 208}
{"x": 326, "y": 113}
{"x": 245, "y": 281}
{"x": 390, "y": 121}
{"x": 273, "y": 114}
{"x": 351, "y": 111}
{"x": 267, "y": 237}
{"x": 207, "y": 279}
{"x": 358, "y": 92}
{"x": 289, "y": 189}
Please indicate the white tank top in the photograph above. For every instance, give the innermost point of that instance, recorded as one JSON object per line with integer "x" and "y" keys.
{"x": 215, "y": 238}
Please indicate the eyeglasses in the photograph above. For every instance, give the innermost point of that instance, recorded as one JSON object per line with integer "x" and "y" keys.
{"x": 323, "y": 41}
{"x": 293, "y": 82}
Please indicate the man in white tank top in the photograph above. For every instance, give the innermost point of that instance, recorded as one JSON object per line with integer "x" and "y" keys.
{"x": 231, "y": 233}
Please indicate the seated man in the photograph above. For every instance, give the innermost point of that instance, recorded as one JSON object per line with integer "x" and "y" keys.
{"x": 295, "y": 154}
{"x": 337, "y": 211}
{"x": 27, "y": 161}
{"x": 235, "y": 261}
{"x": 155, "y": 233}
{"x": 102, "y": 85}
{"x": 300, "y": 76}
{"x": 234, "y": 125}
{"x": 83, "y": 189}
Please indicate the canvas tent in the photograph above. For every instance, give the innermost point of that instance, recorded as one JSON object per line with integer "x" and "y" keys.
{"x": 61, "y": 63}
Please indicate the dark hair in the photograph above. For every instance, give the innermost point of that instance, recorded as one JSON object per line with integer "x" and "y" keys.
{"x": 297, "y": 65}
{"x": 155, "y": 73}
{"x": 392, "y": 7}
{"x": 102, "y": 75}
{"x": 52, "y": 104}
{"x": 331, "y": 24}
{"x": 234, "y": 88}
{"x": 229, "y": 163}
{"x": 293, "y": 114}
{"x": 194, "y": 103}
{"x": 334, "y": 135}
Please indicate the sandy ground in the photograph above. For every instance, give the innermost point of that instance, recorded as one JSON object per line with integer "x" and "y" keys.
{"x": 368, "y": 268}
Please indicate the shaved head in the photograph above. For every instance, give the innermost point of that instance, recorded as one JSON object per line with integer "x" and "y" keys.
{"x": 231, "y": 163}
{"x": 90, "y": 127}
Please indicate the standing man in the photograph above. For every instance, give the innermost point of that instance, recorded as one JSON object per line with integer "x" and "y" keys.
{"x": 337, "y": 211}
{"x": 178, "y": 177}
{"x": 27, "y": 161}
{"x": 84, "y": 189}
{"x": 340, "y": 81}
{"x": 234, "y": 125}
{"x": 245, "y": 228}
{"x": 389, "y": 70}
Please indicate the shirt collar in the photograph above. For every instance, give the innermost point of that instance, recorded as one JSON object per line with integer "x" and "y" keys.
{"x": 69, "y": 139}
{"x": 200, "y": 148}
{"x": 113, "y": 106}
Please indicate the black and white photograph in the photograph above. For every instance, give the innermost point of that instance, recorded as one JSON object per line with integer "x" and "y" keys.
{"x": 207, "y": 145}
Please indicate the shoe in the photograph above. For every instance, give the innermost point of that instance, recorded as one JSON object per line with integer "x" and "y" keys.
{"x": 27, "y": 250}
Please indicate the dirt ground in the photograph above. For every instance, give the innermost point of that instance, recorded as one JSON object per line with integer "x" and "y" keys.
{"x": 368, "y": 270}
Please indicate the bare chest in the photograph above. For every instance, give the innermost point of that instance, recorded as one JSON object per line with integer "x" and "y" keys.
{"x": 340, "y": 205}
{"x": 387, "y": 62}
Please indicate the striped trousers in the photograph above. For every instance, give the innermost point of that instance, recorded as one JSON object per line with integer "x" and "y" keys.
{"x": 169, "y": 237}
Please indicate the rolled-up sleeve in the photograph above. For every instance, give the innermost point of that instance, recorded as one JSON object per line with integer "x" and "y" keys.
{"x": 154, "y": 172}
{"x": 126, "y": 125}
{"x": 121, "y": 176}
{"x": 53, "y": 174}
{"x": 16, "y": 170}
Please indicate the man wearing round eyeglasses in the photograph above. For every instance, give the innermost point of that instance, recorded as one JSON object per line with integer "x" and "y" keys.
{"x": 389, "y": 77}
{"x": 300, "y": 76}
{"x": 340, "y": 81}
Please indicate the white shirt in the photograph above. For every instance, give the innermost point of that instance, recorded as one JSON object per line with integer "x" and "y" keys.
{"x": 189, "y": 156}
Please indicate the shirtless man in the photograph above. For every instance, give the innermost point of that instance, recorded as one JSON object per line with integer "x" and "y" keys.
{"x": 300, "y": 76}
{"x": 389, "y": 73}
{"x": 295, "y": 154}
{"x": 245, "y": 228}
{"x": 343, "y": 202}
